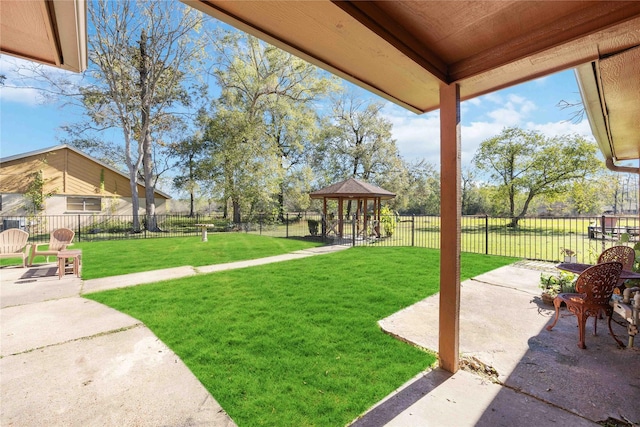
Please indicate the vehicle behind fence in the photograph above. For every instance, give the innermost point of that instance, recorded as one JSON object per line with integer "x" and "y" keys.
{"x": 576, "y": 239}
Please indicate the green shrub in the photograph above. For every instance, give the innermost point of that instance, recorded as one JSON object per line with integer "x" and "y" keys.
{"x": 388, "y": 220}
{"x": 313, "y": 226}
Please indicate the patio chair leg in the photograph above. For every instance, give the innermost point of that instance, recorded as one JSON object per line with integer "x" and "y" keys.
{"x": 556, "y": 304}
{"x": 582, "y": 323}
{"x": 620, "y": 343}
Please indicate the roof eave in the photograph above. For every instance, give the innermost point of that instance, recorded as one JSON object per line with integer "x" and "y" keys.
{"x": 591, "y": 93}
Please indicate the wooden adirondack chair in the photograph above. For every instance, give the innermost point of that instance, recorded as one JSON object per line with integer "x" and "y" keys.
{"x": 13, "y": 244}
{"x": 58, "y": 241}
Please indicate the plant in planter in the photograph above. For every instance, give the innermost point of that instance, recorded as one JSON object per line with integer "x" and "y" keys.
{"x": 554, "y": 284}
{"x": 569, "y": 255}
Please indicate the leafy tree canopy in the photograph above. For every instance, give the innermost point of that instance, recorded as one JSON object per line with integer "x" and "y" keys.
{"x": 526, "y": 164}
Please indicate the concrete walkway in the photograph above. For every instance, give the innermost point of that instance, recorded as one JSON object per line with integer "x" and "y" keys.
{"x": 70, "y": 361}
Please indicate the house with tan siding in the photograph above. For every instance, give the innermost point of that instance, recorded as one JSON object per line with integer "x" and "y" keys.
{"x": 79, "y": 184}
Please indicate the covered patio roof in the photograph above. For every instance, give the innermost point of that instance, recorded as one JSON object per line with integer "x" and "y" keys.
{"x": 403, "y": 50}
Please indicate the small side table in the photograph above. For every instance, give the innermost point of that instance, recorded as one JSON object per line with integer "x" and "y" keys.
{"x": 63, "y": 256}
{"x": 204, "y": 230}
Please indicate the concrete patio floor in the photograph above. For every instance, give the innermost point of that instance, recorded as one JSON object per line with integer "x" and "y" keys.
{"x": 528, "y": 376}
{"x": 70, "y": 361}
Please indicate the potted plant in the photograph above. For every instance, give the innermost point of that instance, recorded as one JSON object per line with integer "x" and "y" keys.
{"x": 554, "y": 284}
{"x": 569, "y": 255}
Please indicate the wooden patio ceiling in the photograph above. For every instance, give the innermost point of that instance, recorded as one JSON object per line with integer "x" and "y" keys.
{"x": 403, "y": 50}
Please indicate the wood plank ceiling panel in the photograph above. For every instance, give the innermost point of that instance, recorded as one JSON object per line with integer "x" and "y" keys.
{"x": 402, "y": 50}
{"x": 324, "y": 35}
{"x": 26, "y": 30}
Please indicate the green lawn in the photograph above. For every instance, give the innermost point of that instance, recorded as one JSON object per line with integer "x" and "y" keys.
{"x": 296, "y": 343}
{"x": 110, "y": 258}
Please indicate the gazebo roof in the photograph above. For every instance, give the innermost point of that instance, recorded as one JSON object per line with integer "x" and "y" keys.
{"x": 352, "y": 188}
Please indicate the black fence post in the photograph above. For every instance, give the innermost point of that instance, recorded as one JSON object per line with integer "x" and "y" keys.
{"x": 286, "y": 227}
{"x": 486, "y": 234}
{"x": 353, "y": 230}
{"x": 603, "y": 231}
{"x": 79, "y": 235}
{"x": 413, "y": 229}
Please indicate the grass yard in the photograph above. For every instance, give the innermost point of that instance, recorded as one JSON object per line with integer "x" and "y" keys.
{"x": 296, "y": 343}
{"x": 110, "y": 258}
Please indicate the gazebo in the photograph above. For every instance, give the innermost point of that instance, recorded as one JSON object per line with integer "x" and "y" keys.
{"x": 352, "y": 190}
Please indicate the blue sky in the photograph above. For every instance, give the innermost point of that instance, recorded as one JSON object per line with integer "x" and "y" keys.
{"x": 26, "y": 124}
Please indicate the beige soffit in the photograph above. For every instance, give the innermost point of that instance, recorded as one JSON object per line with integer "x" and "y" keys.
{"x": 52, "y": 32}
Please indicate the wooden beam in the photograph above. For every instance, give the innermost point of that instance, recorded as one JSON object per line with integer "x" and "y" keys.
{"x": 370, "y": 15}
{"x": 597, "y": 17}
{"x": 450, "y": 211}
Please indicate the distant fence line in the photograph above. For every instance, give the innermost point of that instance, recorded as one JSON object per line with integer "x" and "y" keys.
{"x": 538, "y": 238}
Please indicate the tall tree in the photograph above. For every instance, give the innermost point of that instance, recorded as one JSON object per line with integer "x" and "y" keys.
{"x": 238, "y": 164}
{"x": 357, "y": 142}
{"x": 189, "y": 153}
{"x": 420, "y": 189}
{"x": 140, "y": 56}
{"x": 275, "y": 92}
{"x": 526, "y": 164}
{"x": 141, "y": 59}
{"x": 471, "y": 198}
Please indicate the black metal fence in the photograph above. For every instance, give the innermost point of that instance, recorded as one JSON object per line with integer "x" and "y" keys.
{"x": 580, "y": 239}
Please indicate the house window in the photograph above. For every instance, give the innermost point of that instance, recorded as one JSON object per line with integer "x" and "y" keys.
{"x": 84, "y": 204}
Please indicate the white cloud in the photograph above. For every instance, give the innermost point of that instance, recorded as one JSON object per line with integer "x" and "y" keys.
{"x": 514, "y": 110}
{"x": 562, "y": 128}
{"x": 473, "y": 134}
{"x": 23, "y": 80}
{"x": 28, "y": 96}
{"x": 417, "y": 137}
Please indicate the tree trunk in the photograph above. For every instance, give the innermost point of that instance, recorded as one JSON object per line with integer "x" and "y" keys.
{"x": 516, "y": 218}
{"x": 281, "y": 203}
{"x": 237, "y": 218}
{"x": 135, "y": 204}
{"x": 191, "y": 203}
{"x": 145, "y": 135}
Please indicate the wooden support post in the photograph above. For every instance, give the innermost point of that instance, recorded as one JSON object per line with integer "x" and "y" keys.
{"x": 365, "y": 226}
{"x": 324, "y": 217}
{"x": 450, "y": 211}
